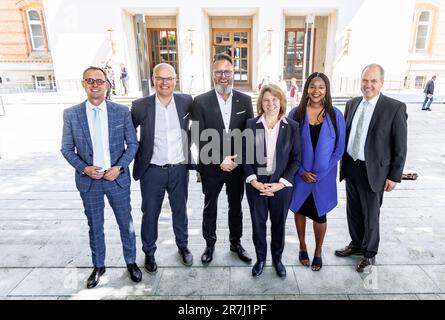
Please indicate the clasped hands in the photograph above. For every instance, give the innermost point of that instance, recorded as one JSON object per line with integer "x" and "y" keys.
{"x": 267, "y": 189}
{"x": 110, "y": 174}
{"x": 228, "y": 164}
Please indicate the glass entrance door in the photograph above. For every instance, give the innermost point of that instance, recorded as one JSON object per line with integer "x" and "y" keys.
{"x": 235, "y": 43}
{"x": 294, "y": 54}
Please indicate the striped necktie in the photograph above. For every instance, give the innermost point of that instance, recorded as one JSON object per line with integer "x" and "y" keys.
{"x": 359, "y": 131}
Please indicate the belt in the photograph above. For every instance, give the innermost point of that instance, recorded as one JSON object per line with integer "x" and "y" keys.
{"x": 358, "y": 161}
{"x": 164, "y": 166}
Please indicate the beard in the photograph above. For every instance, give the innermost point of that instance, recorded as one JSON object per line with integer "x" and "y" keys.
{"x": 223, "y": 89}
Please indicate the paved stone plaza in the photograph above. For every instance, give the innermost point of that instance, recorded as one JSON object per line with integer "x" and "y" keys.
{"x": 44, "y": 250}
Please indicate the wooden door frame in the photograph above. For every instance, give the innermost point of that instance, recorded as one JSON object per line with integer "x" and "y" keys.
{"x": 313, "y": 51}
{"x": 232, "y": 44}
{"x": 149, "y": 30}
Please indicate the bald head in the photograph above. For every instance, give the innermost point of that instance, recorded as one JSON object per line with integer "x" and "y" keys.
{"x": 164, "y": 67}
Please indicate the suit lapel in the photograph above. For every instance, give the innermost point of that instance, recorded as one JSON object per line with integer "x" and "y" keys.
{"x": 150, "y": 119}
{"x": 352, "y": 113}
{"x": 180, "y": 111}
{"x": 236, "y": 107}
{"x": 376, "y": 113}
{"x": 260, "y": 137}
{"x": 111, "y": 112}
{"x": 83, "y": 120}
{"x": 281, "y": 142}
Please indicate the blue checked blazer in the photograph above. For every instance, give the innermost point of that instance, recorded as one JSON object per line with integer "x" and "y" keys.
{"x": 77, "y": 146}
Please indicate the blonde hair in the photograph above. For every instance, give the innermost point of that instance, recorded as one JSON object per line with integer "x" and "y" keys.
{"x": 274, "y": 90}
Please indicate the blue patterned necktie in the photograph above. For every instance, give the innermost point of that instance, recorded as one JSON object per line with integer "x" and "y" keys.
{"x": 359, "y": 131}
{"x": 98, "y": 143}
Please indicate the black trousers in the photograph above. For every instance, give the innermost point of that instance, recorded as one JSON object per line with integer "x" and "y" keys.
{"x": 211, "y": 188}
{"x": 362, "y": 208}
{"x": 260, "y": 207}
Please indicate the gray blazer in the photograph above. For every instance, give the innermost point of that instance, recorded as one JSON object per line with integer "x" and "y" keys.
{"x": 386, "y": 141}
{"x": 429, "y": 88}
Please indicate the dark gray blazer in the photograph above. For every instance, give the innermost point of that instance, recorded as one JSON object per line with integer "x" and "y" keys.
{"x": 386, "y": 141}
{"x": 429, "y": 88}
{"x": 143, "y": 115}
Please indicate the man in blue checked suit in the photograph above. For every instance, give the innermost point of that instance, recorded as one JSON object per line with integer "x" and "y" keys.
{"x": 99, "y": 141}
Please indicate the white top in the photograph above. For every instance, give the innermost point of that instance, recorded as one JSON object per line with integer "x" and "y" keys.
{"x": 366, "y": 122}
{"x": 271, "y": 137}
{"x": 104, "y": 128}
{"x": 226, "y": 109}
{"x": 168, "y": 138}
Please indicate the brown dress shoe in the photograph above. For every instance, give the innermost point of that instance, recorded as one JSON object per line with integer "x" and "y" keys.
{"x": 365, "y": 264}
{"x": 348, "y": 251}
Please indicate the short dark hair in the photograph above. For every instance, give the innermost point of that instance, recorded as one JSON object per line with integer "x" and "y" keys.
{"x": 94, "y": 68}
{"x": 222, "y": 56}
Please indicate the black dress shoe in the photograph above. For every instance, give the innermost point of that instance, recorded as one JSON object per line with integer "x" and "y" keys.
{"x": 280, "y": 269}
{"x": 348, "y": 251}
{"x": 150, "y": 264}
{"x": 93, "y": 279}
{"x": 135, "y": 272}
{"x": 242, "y": 254}
{"x": 258, "y": 268}
{"x": 187, "y": 258}
{"x": 207, "y": 255}
{"x": 365, "y": 264}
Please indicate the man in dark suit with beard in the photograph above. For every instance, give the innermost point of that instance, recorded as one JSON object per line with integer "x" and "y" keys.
{"x": 223, "y": 110}
{"x": 376, "y": 140}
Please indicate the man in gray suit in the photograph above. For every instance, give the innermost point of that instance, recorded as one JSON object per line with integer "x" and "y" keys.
{"x": 376, "y": 140}
{"x": 429, "y": 93}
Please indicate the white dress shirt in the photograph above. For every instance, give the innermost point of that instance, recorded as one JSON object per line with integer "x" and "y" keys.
{"x": 271, "y": 137}
{"x": 226, "y": 109}
{"x": 104, "y": 128}
{"x": 366, "y": 122}
{"x": 168, "y": 138}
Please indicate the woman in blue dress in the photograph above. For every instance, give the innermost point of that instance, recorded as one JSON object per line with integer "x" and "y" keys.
{"x": 322, "y": 134}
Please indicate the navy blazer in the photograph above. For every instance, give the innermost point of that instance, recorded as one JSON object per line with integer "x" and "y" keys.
{"x": 77, "y": 147}
{"x": 322, "y": 161}
{"x": 206, "y": 114}
{"x": 143, "y": 115}
{"x": 287, "y": 152}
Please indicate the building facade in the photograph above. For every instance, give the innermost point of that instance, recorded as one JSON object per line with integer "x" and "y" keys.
{"x": 25, "y": 59}
{"x": 265, "y": 40}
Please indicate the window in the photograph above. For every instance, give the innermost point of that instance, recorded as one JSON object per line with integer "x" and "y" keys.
{"x": 35, "y": 30}
{"x": 39, "y": 82}
{"x": 163, "y": 47}
{"x": 420, "y": 82}
{"x": 406, "y": 82}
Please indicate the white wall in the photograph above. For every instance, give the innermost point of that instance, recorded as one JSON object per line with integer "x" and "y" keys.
{"x": 378, "y": 36}
{"x": 78, "y": 35}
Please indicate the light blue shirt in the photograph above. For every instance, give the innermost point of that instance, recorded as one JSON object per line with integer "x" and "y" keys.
{"x": 366, "y": 122}
{"x": 104, "y": 128}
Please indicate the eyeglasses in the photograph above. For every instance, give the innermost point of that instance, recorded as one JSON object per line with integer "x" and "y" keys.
{"x": 162, "y": 79}
{"x": 92, "y": 81}
{"x": 226, "y": 73}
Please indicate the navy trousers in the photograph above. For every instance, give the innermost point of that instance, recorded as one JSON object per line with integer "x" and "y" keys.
{"x": 260, "y": 207}
{"x": 154, "y": 183}
{"x": 94, "y": 204}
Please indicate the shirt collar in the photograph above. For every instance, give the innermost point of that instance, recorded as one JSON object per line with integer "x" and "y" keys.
{"x": 172, "y": 101}
{"x": 102, "y": 106}
{"x": 263, "y": 119}
{"x": 373, "y": 101}
{"x": 221, "y": 97}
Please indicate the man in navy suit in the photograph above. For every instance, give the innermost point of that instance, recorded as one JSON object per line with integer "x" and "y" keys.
{"x": 161, "y": 161}
{"x": 225, "y": 112}
{"x": 95, "y": 133}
